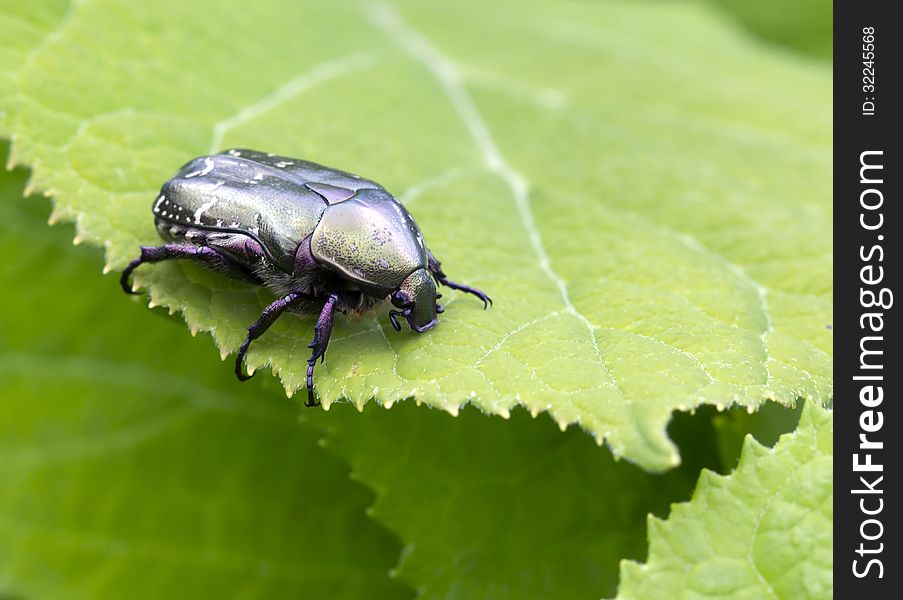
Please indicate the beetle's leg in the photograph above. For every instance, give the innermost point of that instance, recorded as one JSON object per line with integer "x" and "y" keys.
{"x": 394, "y": 314}
{"x": 435, "y": 268}
{"x": 267, "y": 318}
{"x": 153, "y": 254}
{"x": 322, "y": 331}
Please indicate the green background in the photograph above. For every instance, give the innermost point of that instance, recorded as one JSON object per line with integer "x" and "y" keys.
{"x": 132, "y": 464}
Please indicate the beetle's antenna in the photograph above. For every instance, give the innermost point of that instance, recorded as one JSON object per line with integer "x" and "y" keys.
{"x": 487, "y": 301}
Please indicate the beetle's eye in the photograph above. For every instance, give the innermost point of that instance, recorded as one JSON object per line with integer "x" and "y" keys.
{"x": 401, "y": 300}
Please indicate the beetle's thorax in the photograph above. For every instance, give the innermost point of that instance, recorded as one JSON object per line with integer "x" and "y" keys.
{"x": 369, "y": 239}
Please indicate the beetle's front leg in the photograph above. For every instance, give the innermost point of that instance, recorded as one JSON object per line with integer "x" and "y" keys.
{"x": 322, "y": 331}
{"x": 267, "y": 318}
{"x": 435, "y": 268}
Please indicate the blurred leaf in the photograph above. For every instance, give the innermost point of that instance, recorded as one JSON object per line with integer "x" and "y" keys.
{"x": 804, "y": 25}
{"x": 765, "y": 531}
{"x": 645, "y": 195}
{"x": 766, "y": 425}
{"x": 501, "y": 510}
{"x": 516, "y": 510}
{"x": 130, "y": 467}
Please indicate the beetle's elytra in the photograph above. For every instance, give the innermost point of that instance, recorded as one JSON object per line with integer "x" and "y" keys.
{"x": 323, "y": 240}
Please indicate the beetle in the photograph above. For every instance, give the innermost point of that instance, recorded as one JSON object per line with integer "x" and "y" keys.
{"x": 321, "y": 239}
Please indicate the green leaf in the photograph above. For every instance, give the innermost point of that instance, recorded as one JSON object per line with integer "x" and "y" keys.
{"x": 517, "y": 510}
{"x": 805, "y": 25}
{"x": 765, "y": 531}
{"x": 131, "y": 468}
{"x": 645, "y": 194}
{"x": 500, "y": 510}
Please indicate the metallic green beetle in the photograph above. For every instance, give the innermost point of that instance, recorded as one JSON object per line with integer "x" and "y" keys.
{"x": 323, "y": 240}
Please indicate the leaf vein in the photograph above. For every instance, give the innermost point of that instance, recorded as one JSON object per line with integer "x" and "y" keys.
{"x": 321, "y": 73}
{"x": 446, "y": 74}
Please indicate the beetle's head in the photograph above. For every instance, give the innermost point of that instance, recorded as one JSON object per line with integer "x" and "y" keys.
{"x": 416, "y": 297}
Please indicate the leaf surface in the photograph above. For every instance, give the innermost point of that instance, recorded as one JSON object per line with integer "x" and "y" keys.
{"x": 644, "y": 193}
{"x": 806, "y": 25}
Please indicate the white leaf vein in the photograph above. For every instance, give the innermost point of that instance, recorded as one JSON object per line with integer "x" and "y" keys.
{"x": 446, "y": 74}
